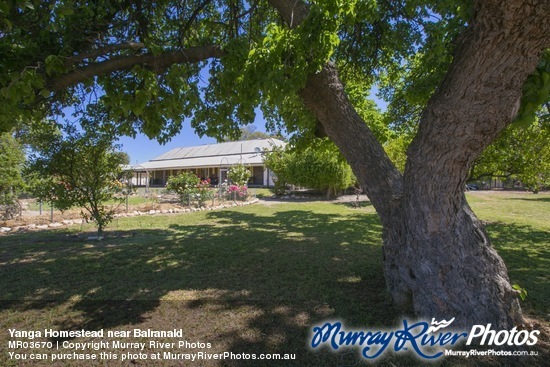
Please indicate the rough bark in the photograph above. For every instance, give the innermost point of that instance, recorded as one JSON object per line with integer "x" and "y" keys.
{"x": 447, "y": 261}
{"x": 436, "y": 252}
{"x": 293, "y": 12}
{"x": 324, "y": 95}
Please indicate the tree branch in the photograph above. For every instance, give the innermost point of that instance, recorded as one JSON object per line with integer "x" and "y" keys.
{"x": 193, "y": 17}
{"x": 159, "y": 63}
{"x": 481, "y": 92}
{"x": 325, "y": 97}
{"x": 293, "y": 11}
{"x": 102, "y": 51}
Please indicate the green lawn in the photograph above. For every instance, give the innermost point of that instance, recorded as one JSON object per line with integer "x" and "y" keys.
{"x": 519, "y": 226}
{"x": 248, "y": 279}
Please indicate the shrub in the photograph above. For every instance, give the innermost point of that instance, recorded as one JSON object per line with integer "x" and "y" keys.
{"x": 204, "y": 192}
{"x": 319, "y": 166}
{"x": 185, "y": 185}
{"x": 239, "y": 174}
{"x": 12, "y": 158}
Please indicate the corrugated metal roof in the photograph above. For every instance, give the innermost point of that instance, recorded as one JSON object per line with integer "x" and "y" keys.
{"x": 209, "y": 155}
{"x": 220, "y": 149}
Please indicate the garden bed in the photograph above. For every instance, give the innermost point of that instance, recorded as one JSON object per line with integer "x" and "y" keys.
{"x": 163, "y": 205}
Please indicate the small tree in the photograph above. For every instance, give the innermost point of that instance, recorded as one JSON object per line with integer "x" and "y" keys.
{"x": 184, "y": 185}
{"x": 79, "y": 169}
{"x": 11, "y": 182}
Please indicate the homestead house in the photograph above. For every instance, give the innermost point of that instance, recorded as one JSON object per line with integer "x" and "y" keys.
{"x": 210, "y": 161}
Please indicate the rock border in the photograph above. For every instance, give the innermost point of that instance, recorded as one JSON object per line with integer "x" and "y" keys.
{"x": 135, "y": 213}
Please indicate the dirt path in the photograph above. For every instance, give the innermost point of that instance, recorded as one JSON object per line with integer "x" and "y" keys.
{"x": 307, "y": 199}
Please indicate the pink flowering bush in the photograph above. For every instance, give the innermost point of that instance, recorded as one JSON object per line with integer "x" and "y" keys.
{"x": 204, "y": 191}
{"x": 236, "y": 191}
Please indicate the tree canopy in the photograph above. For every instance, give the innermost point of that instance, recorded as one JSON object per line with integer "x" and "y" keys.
{"x": 521, "y": 154}
{"x": 146, "y": 66}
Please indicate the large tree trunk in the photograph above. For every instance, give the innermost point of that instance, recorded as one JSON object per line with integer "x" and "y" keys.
{"x": 451, "y": 272}
{"x": 436, "y": 253}
{"x": 448, "y": 263}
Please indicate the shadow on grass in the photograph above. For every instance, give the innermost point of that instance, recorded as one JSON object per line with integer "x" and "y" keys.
{"x": 283, "y": 271}
{"x": 526, "y": 252}
{"x": 534, "y": 197}
{"x": 356, "y": 204}
{"x": 251, "y": 283}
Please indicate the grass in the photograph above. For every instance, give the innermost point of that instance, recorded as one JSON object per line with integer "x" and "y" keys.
{"x": 249, "y": 279}
{"x": 519, "y": 226}
{"x": 261, "y": 192}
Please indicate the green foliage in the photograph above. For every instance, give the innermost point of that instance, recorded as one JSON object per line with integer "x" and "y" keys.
{"x": 403, "y": 48}
{"x": 124, "y": 157}
{"x": 78, "y": 169}
{"x": 12, "y": 159}
{"x": 358, "y": 93}
{"x": 521, "y": 154}
{"x": 265, "y": 62}
{"x": 204, "y": 192}
{"x": 183, "y": 184}
{"x": 276, "y": 161}
{"x": 190, "y": 188}
{"x": 536, "y": 92}
{"x": 38, "y": 135}
{"x": 239, "y": 174}
{"x": 407, "y": 86}
{"x": 521, "y": 291}
{"x": 319, "y": 167}
{"x": 158, "y": 104}
{"x": 396, "y": 149}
